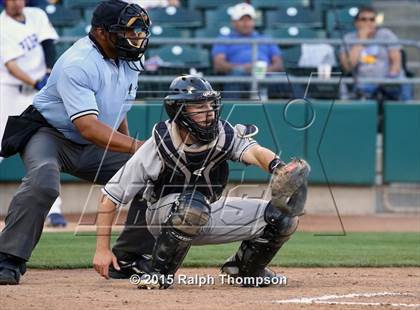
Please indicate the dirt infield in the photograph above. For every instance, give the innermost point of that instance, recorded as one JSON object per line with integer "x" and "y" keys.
{"x": 307, "y": 288}
{"x": 372, "y": 288}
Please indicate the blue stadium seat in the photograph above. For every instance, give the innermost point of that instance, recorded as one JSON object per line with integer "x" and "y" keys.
{"x": 176, "y": 17}
{"x": 87, "y": 15}
{"x": 217, "y": 17}
{"x": 213, "y": 32}
{"x": 275, "y": 4}
{"x": 325, "y": 5}
{"x": 177, "y": 60}
{"x": 293, "y": 15}
{"x": 158, "y": 31}
{"x": 294, "y": 32}
{"x": 37, "y": 3}
{"x": 221, "y": 17}
{"x": 63, "y": 17}
{"x": 61, "y": 47}
{"x": 182, "y": 56}
{"x": 80, "y": 30}
{"x": 80, "y": 4}
{"x": 291, "y": 56}
{"x": 213, "y": 4}
{"x": 340, "y": 20}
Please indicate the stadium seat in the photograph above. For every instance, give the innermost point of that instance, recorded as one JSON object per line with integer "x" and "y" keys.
{"x": 182, "y": 57}
{"x": 325, "y": 5}
{"x": 220, "y": 17}
{"x": 87, "y": 15}
{"x": 158, "y": 31}
{"x": 213, "y": 4}
{"x": 80, "y": 30}
{"x": 176, "y": 60}
{"x": 217, "y": 17}
{"x": 37, "y": 3}
{"x": 61, "y": 47}
{"x": 275, "y": 4}
{"x": 80, "y": 4}
{"x": 63, "y": 17}
{"x": 293, "y": 15}
{"x": 291, "y": 56}
{"x": 294, "y": 32}
{"x": 175, "y": 17}
{"x": 213, "y": 32}
{"x": 340, "y": 20}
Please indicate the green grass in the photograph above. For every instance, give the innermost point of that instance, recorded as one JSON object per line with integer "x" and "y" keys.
{"x": 65, "y": 250}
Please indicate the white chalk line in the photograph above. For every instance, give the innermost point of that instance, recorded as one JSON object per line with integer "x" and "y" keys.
{"x": 326, "y": 300}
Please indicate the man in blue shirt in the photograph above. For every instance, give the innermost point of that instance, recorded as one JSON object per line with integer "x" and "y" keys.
{"x": 84, "y": 106}
{"x": 236, "y": 59}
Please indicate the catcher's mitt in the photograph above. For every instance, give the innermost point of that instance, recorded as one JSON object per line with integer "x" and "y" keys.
{"x": 289, "y": 187}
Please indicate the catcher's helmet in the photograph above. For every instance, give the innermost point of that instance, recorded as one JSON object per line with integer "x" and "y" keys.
{"x": 130, "y": 22}
{"x": 186, "y": 90}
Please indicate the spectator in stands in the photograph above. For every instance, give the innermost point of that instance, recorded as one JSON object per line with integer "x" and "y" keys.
{"x": 27, "y": 54}
{"x": 375, "y": 61}
{"x": 150, "y": 4}
{"x": 236, "y": 59}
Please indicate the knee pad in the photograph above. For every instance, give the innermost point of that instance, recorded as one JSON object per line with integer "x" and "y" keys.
{"x": 280, "y": 226}
{"x": 189, "y": 213}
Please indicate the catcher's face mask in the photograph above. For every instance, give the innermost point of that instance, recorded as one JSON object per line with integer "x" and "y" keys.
{"x": 201, "y": 117}
{"x": 194, "y": 105}
{"x": 132, "y": 35}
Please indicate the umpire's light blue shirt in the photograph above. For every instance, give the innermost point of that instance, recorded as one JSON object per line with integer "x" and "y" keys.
{"x": 83, "y": 82}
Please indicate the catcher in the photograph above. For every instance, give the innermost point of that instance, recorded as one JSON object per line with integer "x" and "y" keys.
{"x": 183, "y": 171}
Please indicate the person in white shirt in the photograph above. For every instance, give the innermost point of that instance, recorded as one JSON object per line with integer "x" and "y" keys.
{"x": 27, "y": 54}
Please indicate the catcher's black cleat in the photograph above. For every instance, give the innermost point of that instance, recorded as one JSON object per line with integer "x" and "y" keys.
{"x": 139, "y": 267}
{"x": 10, "y": 270}
{"x": 263, "y": 278}
{"x": 154, "y": 280}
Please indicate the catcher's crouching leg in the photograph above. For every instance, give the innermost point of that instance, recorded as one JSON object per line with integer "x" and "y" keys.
{"x": 189, "y": 214}
{"x": 254, "y": 255}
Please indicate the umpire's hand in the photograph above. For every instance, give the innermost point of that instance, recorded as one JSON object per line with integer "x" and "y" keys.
{"x": 102, "y": 260}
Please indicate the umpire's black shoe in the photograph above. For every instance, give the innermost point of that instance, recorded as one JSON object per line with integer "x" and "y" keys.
{"x": 10, "y": 270}
{"x": 127, "y": 268}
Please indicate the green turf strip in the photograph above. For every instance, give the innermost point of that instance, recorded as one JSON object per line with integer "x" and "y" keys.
{"x": 65, "y": 250}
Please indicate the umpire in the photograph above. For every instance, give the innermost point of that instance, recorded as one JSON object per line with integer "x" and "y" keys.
{"x": 77, "y": 124}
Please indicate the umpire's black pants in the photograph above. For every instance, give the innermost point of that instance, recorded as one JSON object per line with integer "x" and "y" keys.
{"x": 47, "y": 153}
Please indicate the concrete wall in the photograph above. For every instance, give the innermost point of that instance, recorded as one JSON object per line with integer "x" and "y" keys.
{"x": 81, "y": 197}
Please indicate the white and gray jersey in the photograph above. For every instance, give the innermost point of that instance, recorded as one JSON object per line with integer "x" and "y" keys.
{"x": 165, "y": 165}
{"x": 21, "y": 41}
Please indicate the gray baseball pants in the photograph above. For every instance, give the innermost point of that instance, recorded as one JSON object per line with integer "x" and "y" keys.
{"x": 231, "y": 219}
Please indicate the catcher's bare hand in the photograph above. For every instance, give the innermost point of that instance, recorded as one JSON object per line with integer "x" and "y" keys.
{"x": 102, "y": 260}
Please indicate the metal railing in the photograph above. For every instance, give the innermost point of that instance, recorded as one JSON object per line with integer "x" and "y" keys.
{"x": 280, "y": 77}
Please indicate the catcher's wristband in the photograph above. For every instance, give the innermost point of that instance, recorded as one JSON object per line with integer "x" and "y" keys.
{"x": 274, "y": 164}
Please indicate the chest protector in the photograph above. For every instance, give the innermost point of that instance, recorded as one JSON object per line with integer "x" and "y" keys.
{"x": 205, "y": 171}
